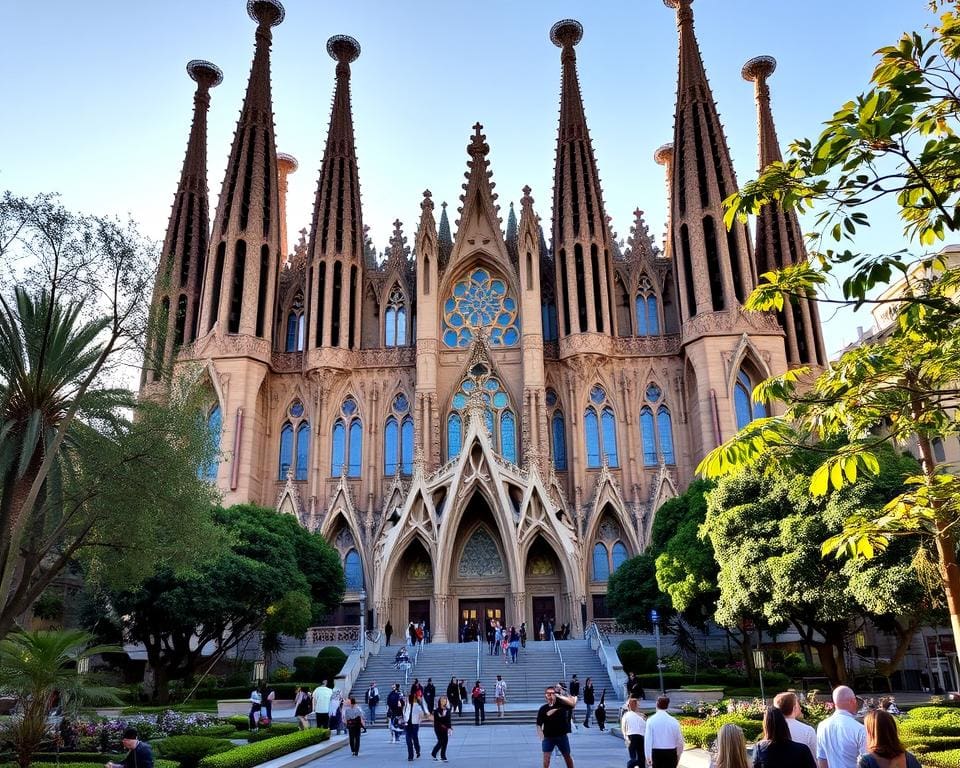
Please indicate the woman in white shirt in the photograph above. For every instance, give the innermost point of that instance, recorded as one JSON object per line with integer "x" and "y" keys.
{"x": 414, "y": 712}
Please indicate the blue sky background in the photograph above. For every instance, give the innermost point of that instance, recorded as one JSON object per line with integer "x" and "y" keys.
{"x": 97, "y": 103}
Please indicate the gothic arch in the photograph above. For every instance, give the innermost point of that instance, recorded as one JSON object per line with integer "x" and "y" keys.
{"x": 663, "y": 489}
{"x": 339, "y": 518}
{"x": 608, "y": 500}
{"x": 484, "y": 259}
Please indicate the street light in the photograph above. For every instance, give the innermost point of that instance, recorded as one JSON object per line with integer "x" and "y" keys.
{"x": 758, "y": 661}
{"x": 655, "y": 618}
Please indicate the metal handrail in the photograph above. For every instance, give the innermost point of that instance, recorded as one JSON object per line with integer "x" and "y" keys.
{"x": 594, "y": 627}
{"x": 478, "y": 656}
{"x": 563, "y": 664}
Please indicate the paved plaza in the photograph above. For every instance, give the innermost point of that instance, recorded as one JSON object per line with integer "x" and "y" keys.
{"x": 515, "y": 746}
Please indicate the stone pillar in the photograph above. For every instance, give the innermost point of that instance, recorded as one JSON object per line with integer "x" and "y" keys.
{"x": 519, "y": 608}
{"x": 440, "y": 619}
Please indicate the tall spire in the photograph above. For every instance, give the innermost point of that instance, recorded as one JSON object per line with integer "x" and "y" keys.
{"x": 664, "y": 156}
{"x": 512, "y": 234}
{"x": 715, "y": 267}
{"x": 337, "y": 236}
{"x": 177, "y": 291}
{"x": 581, "y": 239}
{"x": 778, "y": 238}
{"x": 242, "y": 268}
{"x": 444, "y": 238}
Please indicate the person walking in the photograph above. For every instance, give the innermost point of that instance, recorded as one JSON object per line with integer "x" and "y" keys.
{"x": 500, "y": 695}
{"x": 497, "y": 638}
{"x": 441, "y": 729}
{"x": 353, "y": 716}
{"x": 663, "y": 741}
{"x": 453, "y": 696}
{"x": 387, "y": 631}
{"x": 884, "y": 748}
{"x": 269, "y": 696}
{"x": 588, "y": 700}
{"x": 840, "y": 738}
{"x": 789, "y": 705}
{"x": 336, "y": 712}
{"x": 463, "y": 694}
{"x": 574, "y": 691}
{"x": 601, "y": 713}
{"x": 777, "y": 749}
{"x": 633, "y": 725}
{"x": 523, "y": 634}
{"x": 413, "y": 714}
{"x": 256, "y": 701}
{"x": 731, "y": 750}
{"x": 514, "y": 644}
{"x": 372, "y": 698}
{"x": 552, "y": 724}
{"x": 321, "y": 704}
{"x": 429, "y": 694}
{"x": 479, "y": 698}
{"x": 302, "y": 707}
{"x": 394, "y": 701}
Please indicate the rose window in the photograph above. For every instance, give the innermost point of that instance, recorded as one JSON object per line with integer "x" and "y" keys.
{"x": 480, "y": 301}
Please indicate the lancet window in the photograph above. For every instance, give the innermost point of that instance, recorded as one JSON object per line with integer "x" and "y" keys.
{"x": 600, "y": 431}
{"x": 609, "y": 551}
{"x": 208, "y": 470}
{"x": 645, "y": 308}
{"x": 745, "y": 408}
{"x": 295, "y": 325}
{"x": 353, "y": 571}
{"x": 481, "y": 301}
{"x": 558, "y": 432}
{"x": 498, "y": 416}
{"x": 294, "y": 443}
{"x": 395, "y": 320}
{"x": 347, "y": 441}
{"x": 656, "y": 429}
{"x": 398, "y": 438}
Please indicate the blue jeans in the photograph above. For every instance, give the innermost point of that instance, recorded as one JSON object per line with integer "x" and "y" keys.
{"x": 413, "y": 740}
{"x": 373, "y": 713}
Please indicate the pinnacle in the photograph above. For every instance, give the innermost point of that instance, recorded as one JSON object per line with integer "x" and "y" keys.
{"x": 758, "y": 68}
{"x": 267, "y": 13}
{"x": 478, "y": 147}
{"x": 343, "y": 48}
{"x": 204, "y": 73}
{"x": 566, "y": 33}
{"x": 664, "y": 154}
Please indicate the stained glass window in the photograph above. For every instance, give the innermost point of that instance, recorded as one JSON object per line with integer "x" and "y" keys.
{"x": 600, "y": 431}
{"x": 609, "y": 425}
{"x": 745, "y": 409}
{"x": 395, "y": 320}
{"x": 303, "y": 451}
{"x": 347, "y": 441}
{"x": 406, "y": 446}
{"x": 391, "y": 447}
{"x": 559, "y": 443}
{"x": 645, "y": 305}
{"x": 295, "y": 323}
{"x": 336, "y": 453}
{"x": 356, "y": 448}
{"x": 619, "y": 555}
{"x": 398, "y": 439}
{"x": 508, "y": 440}
{"x": 592, "y": 434}
{"x": 454, "y": 435}
{"x": 548, "y": 316}
{"x": 481, "y": 300}
{"x": 353, "y": 571}
{"x": 647, "y": 437}
{"x": 498, "y": 416}
{"x": 286, "y": 450}
{"x": 601, "y": 565}
{"x": 208, "y": 470}
{"x": 665, "y": 433}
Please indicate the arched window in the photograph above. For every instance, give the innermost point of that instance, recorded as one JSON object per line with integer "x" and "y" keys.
{"x": 498, "y": 416}
{"x": 208, "y": 470}
{"x": 647, "y": 437}
{"x": 347, "y": 441}
{"x": 295, "y": 325}
{"x": 286, "y": 450}
{"x": 656, "y": 434}
{"x": 600, "y": 431}
{"x": 508, "y": 436}
{"x": 454, "y": 435}
{"x": 665, "y": 433}
{"x": 745, "y": 409}
{"x": 558, "y": 433}
{"x": 619, "y": 555}
{"x": 645, "y": 306}
{"x": 294, "y": 443}
{"x": 398, "y": 438}
{"x": 481, "y": 300}
{"x": 601, "y": 563}
{"x": 353, "y": 571}
{"x": 395, "y": 320}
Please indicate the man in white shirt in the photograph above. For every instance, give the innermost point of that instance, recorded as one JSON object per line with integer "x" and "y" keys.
{"x": 662, "y": 741}
{"x": 633, "y": 726}
{"x": 840, "y": 738}
{"x": 321, "y": 703}
{"x": 802, "y": 733}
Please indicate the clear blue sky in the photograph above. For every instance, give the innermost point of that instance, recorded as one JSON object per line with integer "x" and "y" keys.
{"x": 97, "y": 103}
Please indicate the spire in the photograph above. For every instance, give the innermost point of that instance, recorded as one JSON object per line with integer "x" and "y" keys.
{"x": 778, "y": 237}
{"x": 664, "y": 156}
{"x": 399, "y": 255}
{"x": 444, "y": 238}
{"x": 511, "y": 236}
{"x": 245, "y": 245}
{"x": 581, "y": 239}
{"x": 337, "y": 244}
{"x": 715, "y": 266}
{"x": 286, "y": 164}
{"x": 640, "y": 243}
{"x": 177, "y": 291}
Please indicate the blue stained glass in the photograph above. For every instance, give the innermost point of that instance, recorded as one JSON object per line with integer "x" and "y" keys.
{"x": 591, "y": 431}
{"x": 401, "y": 327}
{"x": 486, "y": 398}
{"x": 510, "y": 337}
{"x": 454, "y": 435}
{"x": 508, "y": 436}
{"x": 488, "y": 420}
{"x": 551, "y": 398}
{"x": 653, "y": 321}
{"x": 498, "y": 287}
{"x": 296, "y": 410}
{"x": 610, "y": 437}
{"x": 509, "y": 303}
{"x": 455, "y": 320}
{"x": 353, "y": 571}
{"x": 459, "y": 401}
{"x": 406, "y": 446}
{"x": 286, "y": 450}
{"x": 480, "y": 276}
{"x": 336, "y": 452}
{"x": 450, "y": 338}
{"x": 349, "y": 406}
{"x": 741, "y": 400}
{"x": 468, "y": 385}
{"x": 303, "y": 451}
{"x": 356, "y": 448}
{"x": 653, "y": 393}
{"x": 390, "y": 328}
{"x": 601, "y": 565}
{"x": 400, "y": 404}
{"x": 301, "y": 327}
{"x": 390, "y": 447}
{"x": 492, "y": 384}
{"x": 292, "y": 332}
{"x": 559, "y": 443}
{"x": 641, "y": 307}
{"x": 208, "y": 471}
{"x": 480, "y": 301}
{"x": 665, "y": 432}
{"x": 500, "y": 400}
{"x": 647, "y": 437}
{"x": 597, "y": 395}
{"x": 619, "y": 555}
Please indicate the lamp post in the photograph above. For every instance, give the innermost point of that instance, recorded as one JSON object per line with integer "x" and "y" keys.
{"x": 655, "y": 618}
{"x": 363, "y": 619}
{"x": 759, "y": 660}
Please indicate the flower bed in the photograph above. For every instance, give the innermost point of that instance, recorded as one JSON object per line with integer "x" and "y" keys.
{"x": 251, "y": 755}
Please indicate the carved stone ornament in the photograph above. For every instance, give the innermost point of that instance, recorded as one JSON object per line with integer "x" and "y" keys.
{"x": 480, "y": 557}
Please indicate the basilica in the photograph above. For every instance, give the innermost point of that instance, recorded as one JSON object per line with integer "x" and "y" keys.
{"x": 485, "y": 420}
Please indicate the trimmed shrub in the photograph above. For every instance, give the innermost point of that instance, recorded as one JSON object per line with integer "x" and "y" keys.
{"x": 635, "y": 658}
{"x": 701, "y": 736}
{"x": 156, "y": 764}
{"x": 330, "y": 661}
{"x": 251, "y": 755}
{"x": 283, "y": 690}
{"x": 227, "y": 731}
{"x": 934, "y": 713}
{"x": 188, "y": 751}
{"x": 948, "y": 759}
{"x": 921, "y": 744}
{"x": 272, "y": 731}
{"x": 240, "y": 722}
{"x": 942, "y": 727}
{"x": 74, "y": 757}
{"x": 304, "y": 667}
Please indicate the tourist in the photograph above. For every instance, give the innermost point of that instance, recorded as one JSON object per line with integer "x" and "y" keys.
{"x": 394, "y": 701}
{"x": 633, "y": 725}
{"x": 884, "y": 748}
{"x": 479, "y": 697}
{"x": 429, "y": 694}
{"x": 353, "y": 716}
{"x": 419, "y": 631}
{"x": 777, "y": 749}
{"x": 453, "y": 696}
{"x": 514, "y": 644}
{"x": 139, "y": 754}
{"x": 270, "y": 696}
{"x": 387, "y": 631}
{"x": 397, "y": 726}
{"x": 789, "y": 705}
{"x": 542, "y": 629}
{"x": 302, "y": 706}
{"x": 731, "y": 749}
{"x": 889, "y": 704}
{"x": 505, "y": 644}
{"x": 552, "y": 724}
{"x": 523, "y": 634}
{"x": 588, "y": 699}
{"x": 321, "y": 704}
{"x": 336, "y": 712}
{"x": 256, "y": 698}
{"x": 463, "y": 695}
{"x": 840, "y": 738}
{"x": 371, "y": 698}
{"x": 601, "y": 713}
{"x": 441, "y": 729}
{"x": 500, "y": 695}
{"x": 412, "y": 634}
{"x": 415, "y": 688}
{"x": 663, "y": 741}
{"x": 413, "y": 714}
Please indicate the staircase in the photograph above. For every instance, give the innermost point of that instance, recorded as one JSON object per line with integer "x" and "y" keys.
{"x": 538, "y": 666}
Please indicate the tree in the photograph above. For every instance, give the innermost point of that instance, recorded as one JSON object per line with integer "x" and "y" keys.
{"x": 632, "y": 593}
{"x": 275, "y": 576}
{"x": 897, "y": 140}
{"x": 40, "y": 668}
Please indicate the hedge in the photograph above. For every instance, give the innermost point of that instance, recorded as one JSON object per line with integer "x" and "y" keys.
{"x": 701, "y": 736}
{"x": 272, "y": 731}
{"x": 931, "y": 743}
{"x": 932, "y": 713}
{"x": 156, "y": 764}
{"x": 226, "y": 731}
{"x": 704, "y": 734}
{"x": 771, "y": 680}
{"x": 330, "y": 661}
{"x": 251, "y": 755}
{"x": 948, "y": 759}
{"x": 240, "y": 722}
{"x": 188, "y": 750}
{"x": 943, "y": 727}
{"x": 282, "y": 690}
{"x": 74, "y": 757}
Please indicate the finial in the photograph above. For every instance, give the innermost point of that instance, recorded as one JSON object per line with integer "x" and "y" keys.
{"x": 266, "y": 12}
{"x": 444, "y": 205}
{"x": 676, "y": 3}
{"x": 566, "y": 33}
{"x": 287, "y": 163}
{"x": 637, "y": 213}
{"x": 204, "y": 73}
{"x": 478, "y": 146}
{"x": 664, "y": 154}
{"x": 758, "y": 68}
{"x": 427, "y": 200}
{"x": 343, "y": 48}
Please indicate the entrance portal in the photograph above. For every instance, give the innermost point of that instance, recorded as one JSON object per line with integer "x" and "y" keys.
{"x": 420, "y": 611}
{"x": 476, "y": 616}
{"x": 545, "y": 615}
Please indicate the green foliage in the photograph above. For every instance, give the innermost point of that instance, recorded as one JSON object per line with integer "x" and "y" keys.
{"x": 188, "y": 751}
{"x": 704, "y": 734}
{"x": 947, "y": 759}
{"x": 240, "y": 722}
{"x": 933, "y": 713}
{"x": 91, "y": 764}
{"x": 632, "y": 592}
{"x": 635, "y": 658}
{"x": 251, "y": 755}
{"x": 272, "y": 731}
{"x": 699, "y": 735}
{"x": 304, "y": 667}
{"x": 329, "y": 662}
{"x": 920, "y": 744}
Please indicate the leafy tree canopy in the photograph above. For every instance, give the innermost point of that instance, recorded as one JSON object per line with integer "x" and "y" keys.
{"x": 632, "y": 593}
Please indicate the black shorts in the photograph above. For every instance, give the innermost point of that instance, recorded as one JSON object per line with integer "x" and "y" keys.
{"x": 556, "y": 742}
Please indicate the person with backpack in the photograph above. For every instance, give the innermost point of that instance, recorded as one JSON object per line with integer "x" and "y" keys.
{"x": 302, "y": 707}
{"x": 479, "y": 697}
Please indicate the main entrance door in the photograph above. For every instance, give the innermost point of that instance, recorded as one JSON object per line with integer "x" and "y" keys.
{"x": 476, "y": 617}
{"x": 544, "y": 613}
{"x": 419, "y": 610}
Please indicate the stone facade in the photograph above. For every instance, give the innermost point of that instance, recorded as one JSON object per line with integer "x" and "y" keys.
{"x": 482, "y": 425}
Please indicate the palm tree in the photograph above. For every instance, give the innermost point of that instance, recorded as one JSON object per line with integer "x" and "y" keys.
{"x": 39, "y": 668}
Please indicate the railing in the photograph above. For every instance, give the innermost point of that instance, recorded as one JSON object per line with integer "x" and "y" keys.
{"x": 348, "y": 633}
{"x": 563, "y": 664}
{"x": 610, "y": 659}
{"x": 478, "y": 656}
